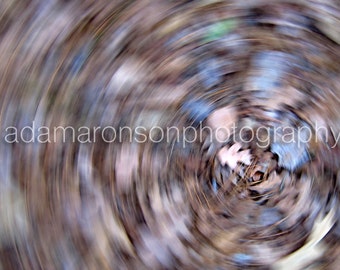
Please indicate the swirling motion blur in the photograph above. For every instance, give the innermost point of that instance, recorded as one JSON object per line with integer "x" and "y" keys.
{"x": 207, "y": 204}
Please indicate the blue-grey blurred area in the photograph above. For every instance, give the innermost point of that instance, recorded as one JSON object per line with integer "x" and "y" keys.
{"x": 167, "y": 134}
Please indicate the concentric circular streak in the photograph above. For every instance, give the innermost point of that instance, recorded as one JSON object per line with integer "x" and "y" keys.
{"x": 95, "y": 201}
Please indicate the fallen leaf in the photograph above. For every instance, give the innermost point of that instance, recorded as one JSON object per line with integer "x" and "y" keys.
{"x": 221, "y": 121}
{"x": 231, "y": 156}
